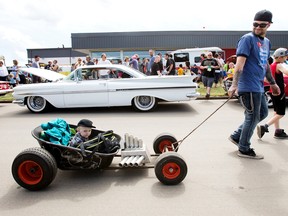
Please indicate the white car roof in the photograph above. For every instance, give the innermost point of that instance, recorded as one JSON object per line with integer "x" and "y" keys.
{"x": 53, "y": 76}
{"x": 130, "y": 70}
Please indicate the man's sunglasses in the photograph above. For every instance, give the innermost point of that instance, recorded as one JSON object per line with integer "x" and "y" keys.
{"x": 261, "y": 25}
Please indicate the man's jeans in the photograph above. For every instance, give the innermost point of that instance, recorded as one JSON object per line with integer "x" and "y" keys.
{"x": 256, "y": 110}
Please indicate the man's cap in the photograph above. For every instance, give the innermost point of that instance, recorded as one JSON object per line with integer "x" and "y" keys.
{"x": 280, "y": 52}
{"x": 85, "y": 123}
{"x": 263, "y": 15}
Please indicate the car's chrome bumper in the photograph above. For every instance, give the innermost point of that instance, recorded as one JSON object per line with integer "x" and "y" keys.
{"x": 193, "y": 95}
{"x": 19, "y": 102}
{"x": 6, "y": 91}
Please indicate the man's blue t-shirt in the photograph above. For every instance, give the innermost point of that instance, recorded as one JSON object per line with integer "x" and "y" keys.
{"x": 257, "y": 51}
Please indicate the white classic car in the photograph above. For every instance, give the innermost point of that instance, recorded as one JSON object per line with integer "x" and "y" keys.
{"x": 83, "y": 88}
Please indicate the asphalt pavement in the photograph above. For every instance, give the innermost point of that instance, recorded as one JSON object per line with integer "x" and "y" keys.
{"x": 218, "y": 181}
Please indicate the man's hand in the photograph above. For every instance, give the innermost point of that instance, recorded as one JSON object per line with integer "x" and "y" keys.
{"x": 275, "y": 89}
{"x": 232, "y": 90}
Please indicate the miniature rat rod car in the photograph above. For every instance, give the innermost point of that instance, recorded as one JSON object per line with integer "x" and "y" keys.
{"x": 35, "y": 168}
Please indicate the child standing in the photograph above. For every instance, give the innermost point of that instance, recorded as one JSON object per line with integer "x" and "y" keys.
{"x": 180, "y": 70}
{"x": 279, "y": 101}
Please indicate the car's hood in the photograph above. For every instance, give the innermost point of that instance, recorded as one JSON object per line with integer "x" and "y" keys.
{"x": 46, "y": 74}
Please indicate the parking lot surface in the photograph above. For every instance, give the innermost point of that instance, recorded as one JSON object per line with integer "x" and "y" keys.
{"x": 218, "y": 181}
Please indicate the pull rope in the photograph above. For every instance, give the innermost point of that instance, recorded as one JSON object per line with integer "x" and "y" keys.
{"x": 180, "y": 141}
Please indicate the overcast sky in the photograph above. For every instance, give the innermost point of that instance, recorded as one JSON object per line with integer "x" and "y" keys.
{"x": 27, "y": 24}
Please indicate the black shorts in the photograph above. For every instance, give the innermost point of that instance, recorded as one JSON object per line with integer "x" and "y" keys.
{"x": 279, "y": 104}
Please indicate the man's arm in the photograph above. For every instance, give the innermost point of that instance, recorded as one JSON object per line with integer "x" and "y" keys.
{"x": 237, "y": 71}
{"x": 269, "y": 76}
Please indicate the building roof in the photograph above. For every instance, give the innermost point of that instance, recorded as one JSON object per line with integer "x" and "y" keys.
{"x": 163, "y": 40}
{"x": 54, "y": 53}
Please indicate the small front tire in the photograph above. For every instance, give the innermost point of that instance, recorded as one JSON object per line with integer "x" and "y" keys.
{"x": 165, "y": 141}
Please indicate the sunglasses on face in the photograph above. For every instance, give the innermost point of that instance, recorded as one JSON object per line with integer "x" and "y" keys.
{"x": 261, "y": 25}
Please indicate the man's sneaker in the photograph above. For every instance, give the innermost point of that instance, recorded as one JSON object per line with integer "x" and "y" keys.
{"x": 280, "y": 134}
{"x": 261, "y": 130}
{"x": 234, "y": 141}
{"x": 250, "y": 154}
{"x": 207, "y": 96}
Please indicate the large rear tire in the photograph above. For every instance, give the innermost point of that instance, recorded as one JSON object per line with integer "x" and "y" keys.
{"x": 170, "y": 168}
{"x": 34, "y": 168}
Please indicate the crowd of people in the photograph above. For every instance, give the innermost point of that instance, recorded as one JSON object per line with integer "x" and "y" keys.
{"x": 152, "y": 65}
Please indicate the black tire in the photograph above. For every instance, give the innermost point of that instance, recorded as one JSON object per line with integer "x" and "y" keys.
{"x": 37, "y": 104}
{"x": 163, "y": 141}
{"x": 144, "y": 103}
{"x": 34, "y": 168}
{"x": 170, "y": 168}
{"x": 106, "y": 161}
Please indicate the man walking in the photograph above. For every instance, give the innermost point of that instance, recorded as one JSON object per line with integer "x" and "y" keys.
{"x": 253, "y": 51}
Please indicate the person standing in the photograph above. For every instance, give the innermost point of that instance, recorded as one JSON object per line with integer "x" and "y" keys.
{"x": 3, "y": 71}
{"x": 78, "y": 64}
{"x": 49, "y": 65}
{"x": 208, "y": 66}
{"x": 170, "y": 64}
{"x": 35, "y": 64}
{"x": 134, "y": 62}
{"x": 279, "y": 101}
{"x": 88, "y": 61}
{"x": 104, "y": 74}
{"x": 55, "y": 66}
{"x": 15, "y": 72}
{"x": 151, "y": 62}
{"x": 161, "y": 66}
{"x": 155, "y": 69}
{"x": 252, "y": 66}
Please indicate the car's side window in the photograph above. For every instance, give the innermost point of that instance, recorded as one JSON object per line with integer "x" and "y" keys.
{"x": 126, "y": 75}
{"x": 77, "y": 75}
{"x": 90, "y": 74}
{"x": 99, "y": 73}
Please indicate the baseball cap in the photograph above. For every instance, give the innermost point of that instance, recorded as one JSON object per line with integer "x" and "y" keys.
{"x": 280, "y": 52}
{"x": 85, "y": 123}
{"x": 263, "y": 15}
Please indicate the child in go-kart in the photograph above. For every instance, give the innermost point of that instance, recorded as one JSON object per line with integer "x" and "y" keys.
{"x": 104, "y": 142}
{"x": 84, "y": 128}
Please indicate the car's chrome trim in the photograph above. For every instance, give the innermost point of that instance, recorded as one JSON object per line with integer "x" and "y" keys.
{"x": 19, "y": 102}
{"x": 193, "y": 95}
{"x": 157, "y": 88}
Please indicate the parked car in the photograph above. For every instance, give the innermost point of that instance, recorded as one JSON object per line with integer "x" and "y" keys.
{"x": 5, "y": 88}
{"x": 83, "y": 88}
